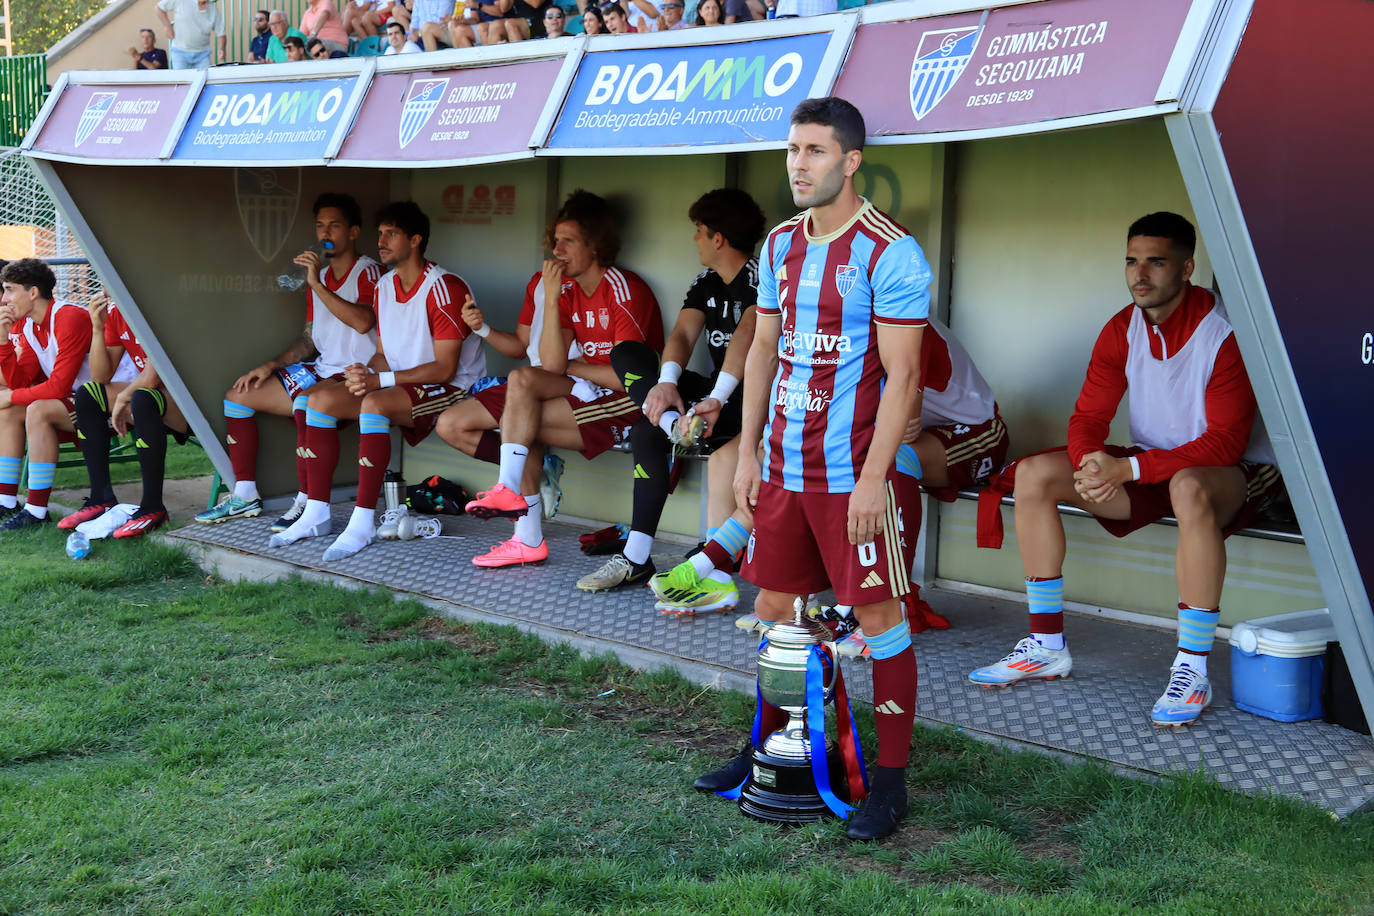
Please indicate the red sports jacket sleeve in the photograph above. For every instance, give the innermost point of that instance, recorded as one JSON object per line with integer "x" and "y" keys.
{"x": 73, "y": 329}
{"x": 1102, "y": 390}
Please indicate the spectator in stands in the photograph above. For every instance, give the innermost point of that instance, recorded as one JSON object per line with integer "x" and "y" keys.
{"x": 669, "y": 18}
{"x": 462, "y": 25}
{"x": 148, "y": 56}
{"x": 617, "y": 22}
{"x": 316, "y": 49}
{"x": 528, "y": 19}
{"x": 495, "y": 21}
{"x": 191, "y": 30}
{"x": 295, "y": 48}
{"x": 399, "y": 10}
{"x": 322, "y": 20}
{"x": 281, "y": 29}
{"x": 555, "y": 22}
{"x": 429, "y": 22}
{"x": 744, "y": 11}
{"x": 396, "y": 41}
{"x": 593, "y": 22}
{"x": 792, "y": 9}
{"x": 710, "y": 12}
{"x": 360, "y": 18}
{"x": 262, "y": 36}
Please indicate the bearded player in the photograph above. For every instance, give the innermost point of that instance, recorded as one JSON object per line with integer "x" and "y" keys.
{"x": 842, "y": 305}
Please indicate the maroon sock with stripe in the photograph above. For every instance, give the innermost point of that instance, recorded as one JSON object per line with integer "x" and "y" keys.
{"x": 374, "y": 450}
{"x": 302, "y": 464}
{"x": 324, "y": 459}
{"x": 243, "y": 446}
{"x": 894, "y": 705}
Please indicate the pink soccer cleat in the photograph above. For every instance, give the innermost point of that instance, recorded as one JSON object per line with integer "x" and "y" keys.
{"x": 498, "y": 502}
{"x": 513, "y": 553}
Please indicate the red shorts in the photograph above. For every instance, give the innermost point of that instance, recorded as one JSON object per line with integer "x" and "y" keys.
{"x": 426, "y": 403}
{"x": 494, "y": 400}
{"x": 972, "y": 455}
{"x": 605, "y": 421}
{"x": 64, "y": 437}
{"x": 1150, "y": 501}
{"x": 800, "y": 545}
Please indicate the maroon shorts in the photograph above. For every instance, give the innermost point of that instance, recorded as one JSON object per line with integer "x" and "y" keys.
{"x": 605, "y": 421}
{"x": 1150, "y": 501}
{"x": 64, "y": 437}
{"x": 972, "y": 455}
{"x": 494, "y": 400}
{"x": 426, "y": 403}
{"x": 800, "y": 545}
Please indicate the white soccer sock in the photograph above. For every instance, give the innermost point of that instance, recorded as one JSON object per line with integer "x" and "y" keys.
{"x": 666, "y": 421}
{"x": 246, "y": 489}
{"x": 356, "y": 536}
{"x": 1050, "y": 640}
{"x": 528, "y": 527}
{"x": 1197, "y": 662}
{"x": 702, "y": 564}
{"x": 314, "y": 522}
{"x": 36, "y": 511}
{"x": 8, "y": 502}
{"x": 300, "y": 499}
{"x": 718, "y": 575}
{"x": 513, "y": 458}
{"x": 637, "y": 547}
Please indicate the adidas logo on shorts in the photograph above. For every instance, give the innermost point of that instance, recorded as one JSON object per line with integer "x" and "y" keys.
{"x": 873, "y": 580}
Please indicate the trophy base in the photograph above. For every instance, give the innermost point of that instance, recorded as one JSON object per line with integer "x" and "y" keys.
{"x": 781, "y": 790}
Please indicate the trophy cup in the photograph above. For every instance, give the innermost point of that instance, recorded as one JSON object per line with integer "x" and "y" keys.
{"x": 781, "y": 787}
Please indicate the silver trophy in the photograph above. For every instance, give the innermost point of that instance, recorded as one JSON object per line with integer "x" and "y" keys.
{"x": 781, "y": 787}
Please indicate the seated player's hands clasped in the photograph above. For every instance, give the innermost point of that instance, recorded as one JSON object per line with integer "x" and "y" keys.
{"x": 358, "y": 377}
{"x": 1099, "y": 476}
{"x": 867, "y": 504}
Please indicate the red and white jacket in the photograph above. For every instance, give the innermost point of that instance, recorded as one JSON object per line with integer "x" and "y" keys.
{"x": 48, "y": 359}
{"x": 1191, "y": 400}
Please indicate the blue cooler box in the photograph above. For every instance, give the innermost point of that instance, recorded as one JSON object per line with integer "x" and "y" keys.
{"x": 1277, "y": 662}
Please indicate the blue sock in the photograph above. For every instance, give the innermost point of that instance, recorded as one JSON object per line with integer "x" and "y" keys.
{"x": 237, "y": 411}
{"x": 1046, "y": 601}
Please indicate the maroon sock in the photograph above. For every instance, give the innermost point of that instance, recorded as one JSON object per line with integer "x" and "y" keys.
{"x": 324, "y": 458}
{"x": 243, "y": 446}
{"x": 894, "y": 706}
{"x": 374, "y": 450}
{"x": 488, "y": 447}
{"x": 38, "y": 498}
{"x": 719, "y": 556}
{"x": 9, "y": 489}
{"x": 302, "y": 465}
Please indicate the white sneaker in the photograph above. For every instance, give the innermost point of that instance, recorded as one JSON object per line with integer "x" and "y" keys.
{"x": 1029, "y": 659}
{"x": 1186, "y": 696}
{"x": 389, "y": 529}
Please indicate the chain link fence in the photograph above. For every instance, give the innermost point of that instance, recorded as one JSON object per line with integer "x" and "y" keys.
{"x": 32, "y": 227}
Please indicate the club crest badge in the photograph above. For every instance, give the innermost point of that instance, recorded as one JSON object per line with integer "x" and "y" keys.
{"x": 941, "y": 56}
{"x": 603, "y": 318}
{"x": 267, "y": 202}
{"x": 846, "y": 275}
{"x": 97, "y": 107}
{"x": 421, "y": 101}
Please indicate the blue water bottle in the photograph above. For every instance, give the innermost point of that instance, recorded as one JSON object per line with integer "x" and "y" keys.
{"x": 78, "y": 546}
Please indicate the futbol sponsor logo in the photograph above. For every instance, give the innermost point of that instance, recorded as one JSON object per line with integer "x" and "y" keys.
{"x": 846, "y": 275}
{"x": 419, "y": 106}
{"x": 97, "y": 107}
{"x": 941, "y": 56}
{"x": 793, "y": 341}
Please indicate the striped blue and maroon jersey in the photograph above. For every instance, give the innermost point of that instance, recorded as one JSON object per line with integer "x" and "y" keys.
{"x": 831, "y": 293}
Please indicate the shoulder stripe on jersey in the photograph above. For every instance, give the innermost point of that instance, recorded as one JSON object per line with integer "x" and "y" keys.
{"x": 620, "y": 288}
{"x": 883, "y": 230}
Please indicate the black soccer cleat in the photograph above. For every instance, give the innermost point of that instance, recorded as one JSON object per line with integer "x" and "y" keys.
{"x": 878, "y": 815}
{"x": 730, "y": 776}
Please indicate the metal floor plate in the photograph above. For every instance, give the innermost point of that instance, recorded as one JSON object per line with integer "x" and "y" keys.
{"x": 1102, "y": 711}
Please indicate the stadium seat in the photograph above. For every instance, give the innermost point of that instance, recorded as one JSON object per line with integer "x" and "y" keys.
{"x": 852, "y": 4}
{"x": 574, "y": 26}
{"x": 371, "y": 46}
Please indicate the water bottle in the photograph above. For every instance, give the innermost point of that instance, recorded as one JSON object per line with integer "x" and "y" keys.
{"x": 78, "y": 546}
{"x": 393, "y": 489}
{"x": 294, "y": 277}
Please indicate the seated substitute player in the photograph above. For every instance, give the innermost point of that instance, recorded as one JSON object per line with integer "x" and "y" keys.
{"x": 574, "y": 402}
{"x": 720, "y": 302}
{"x": 44, "y": 355}
{"x": 339, "y": 323}
{"x": 120, "y": 370}
{"x": 1199, "y": 454}
{"x": 843, "y": 300}
{"x": 426, "y": 360}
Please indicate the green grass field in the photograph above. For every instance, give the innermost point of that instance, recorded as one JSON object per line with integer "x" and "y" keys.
{"x": 170, "y": 743}
{"x": 182, "y": 461}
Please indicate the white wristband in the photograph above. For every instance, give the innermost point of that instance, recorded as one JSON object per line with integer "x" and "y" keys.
{"x": 386, "y": 379}
{"x": 669, "y": 372}
{"x": 725, "y": 386}
{"x": 483, "y": 331}
{"x": 1135, "y": 468}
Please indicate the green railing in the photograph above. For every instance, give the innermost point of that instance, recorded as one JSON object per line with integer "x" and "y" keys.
{"x": 23, "y": 87}
{"x": 238, "y": 20}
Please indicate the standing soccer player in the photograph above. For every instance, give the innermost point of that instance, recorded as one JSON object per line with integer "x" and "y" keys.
{"x": 842, "y": 305}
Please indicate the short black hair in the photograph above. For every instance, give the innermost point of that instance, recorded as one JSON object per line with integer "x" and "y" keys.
{"x": 1166, "y": 225}
{"x": 596, "y": 221}
{"x": 613, "y": 7}
{"x": 407, "y": 216}
{"x": 837, "y": 114}
{"x": 342, "y": 202}
{"x": 314, "y": 43}
{"x": 732, "y": 213}
{"x": 294, "y": 41}
{"x": 28, "y": 273}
